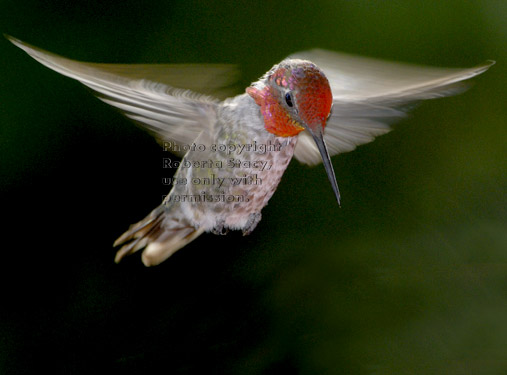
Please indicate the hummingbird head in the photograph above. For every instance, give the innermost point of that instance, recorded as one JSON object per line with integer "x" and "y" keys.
{"x": 294, "y": 96}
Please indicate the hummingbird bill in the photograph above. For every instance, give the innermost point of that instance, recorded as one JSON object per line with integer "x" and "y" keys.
{"x": 311, "y": 106}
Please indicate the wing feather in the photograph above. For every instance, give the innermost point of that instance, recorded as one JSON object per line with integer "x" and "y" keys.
{"x": 150, "y": 94}
{"x": 370, "y": 94}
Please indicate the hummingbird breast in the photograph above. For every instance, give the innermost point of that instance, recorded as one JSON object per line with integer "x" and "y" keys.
{"x": 236, "y": 173}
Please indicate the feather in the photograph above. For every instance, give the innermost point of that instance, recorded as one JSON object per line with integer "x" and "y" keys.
{"x": 370, "y": 94}
{"x": 150, "y": 94}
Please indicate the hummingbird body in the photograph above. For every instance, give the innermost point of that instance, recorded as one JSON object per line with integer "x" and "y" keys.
{"x": 241, "y": 182}
{"x": 246, "y": 179}
{"x": 312, "y": 105}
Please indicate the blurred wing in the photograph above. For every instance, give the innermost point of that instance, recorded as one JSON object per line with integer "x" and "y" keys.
{"x": 370, "y": 94}
{"x": 150, "y": 94}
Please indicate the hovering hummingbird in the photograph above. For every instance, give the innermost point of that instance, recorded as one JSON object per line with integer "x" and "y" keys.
{"x": 312, "y": 105}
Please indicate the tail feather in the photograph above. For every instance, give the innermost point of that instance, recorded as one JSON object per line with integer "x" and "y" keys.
{"x": 160, "y": 233}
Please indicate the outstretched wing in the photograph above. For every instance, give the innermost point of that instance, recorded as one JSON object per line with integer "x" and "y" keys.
{"x": 151, "y": 94}
{"x": 370, "y": 94}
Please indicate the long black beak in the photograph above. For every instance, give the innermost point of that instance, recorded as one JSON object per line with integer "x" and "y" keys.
{"x": 318, "y": 137}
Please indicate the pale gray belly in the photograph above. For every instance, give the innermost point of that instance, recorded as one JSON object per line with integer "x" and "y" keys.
{"x": 227, "y": 188}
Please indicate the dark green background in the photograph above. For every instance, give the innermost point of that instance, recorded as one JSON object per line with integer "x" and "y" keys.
{"x": 408, "y": 277}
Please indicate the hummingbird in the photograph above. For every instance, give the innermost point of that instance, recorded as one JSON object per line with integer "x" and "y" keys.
{"x": 312, "y": 105}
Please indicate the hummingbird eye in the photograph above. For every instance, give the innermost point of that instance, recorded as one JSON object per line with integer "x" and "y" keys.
{"x": 288, "y": 100}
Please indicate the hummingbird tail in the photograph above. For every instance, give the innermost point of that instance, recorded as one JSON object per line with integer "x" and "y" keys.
{"x": 161, "y": 233}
